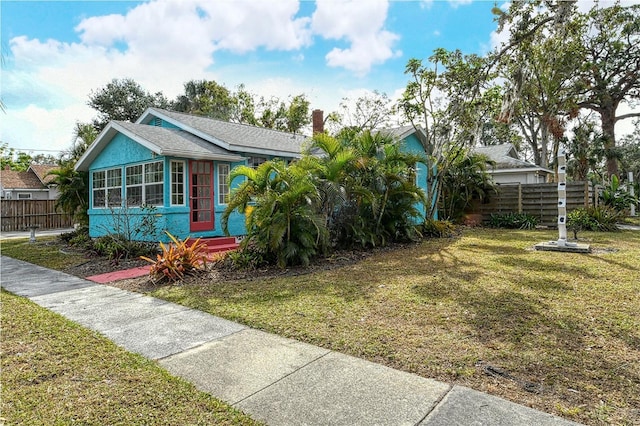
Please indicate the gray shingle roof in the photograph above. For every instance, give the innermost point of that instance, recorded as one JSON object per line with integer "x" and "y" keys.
{"x": 505, "y": 157}
{"x": 398, "y": 132}
{"x": 175, "y": 142}
{"x": 235, "y": 137}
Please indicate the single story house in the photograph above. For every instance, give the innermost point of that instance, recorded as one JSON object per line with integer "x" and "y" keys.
{"x": 509, "y": 168}
{"x": 32, "y": 184}
{"x": 180, "y": 164}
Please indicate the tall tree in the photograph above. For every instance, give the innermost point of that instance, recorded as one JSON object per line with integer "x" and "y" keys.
{"x": 538, "y": 67}
{"x": 630, "y": 155}
{"x": 585, "y": 152}
{"x": 449, "y": 100}
{"x": 244, "y": 107}
{"x": 122, "y": 99}
{"x": 20, "y": 160}
{"x": 371, "y": 111}
{"x": 206, "y": 97}
{"x": 73, "y": 186}
{"x": 276, "y": 114}
{"x": 83, "y": 135}
{"x": 610, "y": 72}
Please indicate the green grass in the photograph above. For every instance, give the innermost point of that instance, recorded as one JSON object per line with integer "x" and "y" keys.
{"x": 44, "y": 252}
{"x": 56, "y": 372}
{"x": 568, "y": 323}
{"x": 446, "y": 308}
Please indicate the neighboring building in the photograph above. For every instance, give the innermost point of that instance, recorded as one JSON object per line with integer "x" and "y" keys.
{"x": 511, "y": 169}
{"x": 180, "y": 164}
{"x": 33, "y": 184}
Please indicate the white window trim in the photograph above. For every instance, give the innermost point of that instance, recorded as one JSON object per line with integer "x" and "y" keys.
{"x": 144, "y": 184}
{"x": 227, "y": 190}
{"x": 20, "y": 194}
{"x": 184, "y": 183}
{"x": 105, "y": 189}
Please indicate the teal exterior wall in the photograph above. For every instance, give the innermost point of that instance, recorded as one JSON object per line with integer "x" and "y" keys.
{"x": 122, "y": 152}
{"x": 413, "y": 145}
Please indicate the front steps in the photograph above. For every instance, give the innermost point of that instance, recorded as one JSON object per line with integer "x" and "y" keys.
{"x": 217, "y": 244}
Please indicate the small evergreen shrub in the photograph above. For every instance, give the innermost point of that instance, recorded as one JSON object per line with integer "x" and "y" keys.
{"x": 178, "y": 259}
{"x": 117, "y": 246}
{"x": 247, "y": 256}
{"x": 600, "y": 218}
{"x": 513, "y": 221}
{"x": 438, "y": 228}
{"x": 78, "y": 238}
{"x": 579, "y": 220}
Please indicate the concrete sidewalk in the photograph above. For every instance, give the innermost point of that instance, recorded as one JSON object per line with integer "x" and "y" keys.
{"x": 10, "y": 235}
{"x": 276, "y": 380}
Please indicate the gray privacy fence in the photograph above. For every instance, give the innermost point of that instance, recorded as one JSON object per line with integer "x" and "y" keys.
{"x": 537, "y": 199}
{"x": 19, "y": 215}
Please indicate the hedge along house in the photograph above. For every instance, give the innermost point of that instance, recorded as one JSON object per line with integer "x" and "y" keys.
{"x": 180, "y": 164}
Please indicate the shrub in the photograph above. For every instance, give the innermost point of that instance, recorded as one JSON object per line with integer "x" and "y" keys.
{"x": 178, "y": 259}
{"x": 438, "y": 228}
{"x": 617, "y": 196}
{"x": 600, "y": 218}
{"x": 605, "y": 218}
{"x": 247, "y": 256}
{"x": 117, "y": 246}
{"x": 513, "y": 221}
{"x": 78, "y": 238}
{"x": 578, "y": 220}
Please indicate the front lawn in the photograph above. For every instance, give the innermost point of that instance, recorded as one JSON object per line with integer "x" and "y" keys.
{"x": 555, "y": 331}
{"x": 54, "y": 372}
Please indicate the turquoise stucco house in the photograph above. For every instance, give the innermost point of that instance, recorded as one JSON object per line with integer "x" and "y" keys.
{"x": 180, "y": 164}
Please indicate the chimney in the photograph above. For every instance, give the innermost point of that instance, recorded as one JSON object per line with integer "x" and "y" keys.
{"x": 318, "y": 121}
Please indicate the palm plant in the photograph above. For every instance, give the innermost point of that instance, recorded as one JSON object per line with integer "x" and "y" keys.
{"x": 73, "y": 186}
{"x": 73, "y": 189}
{"x": 284, "y": 225}
{"x": 373, "y": 196}
{"x": 465, "y": 180}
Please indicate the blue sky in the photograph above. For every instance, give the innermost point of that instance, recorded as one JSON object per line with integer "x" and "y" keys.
{"x": 56, "y": 52}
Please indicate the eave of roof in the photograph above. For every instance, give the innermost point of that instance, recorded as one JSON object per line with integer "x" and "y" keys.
{"x": 143, "y": 136}
{"x": 224, "y": 133}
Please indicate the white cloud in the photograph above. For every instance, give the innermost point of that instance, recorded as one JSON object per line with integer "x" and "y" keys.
{"x": 36, "y": 128}
{"x": 457, "y": 3}
{"x": 160, "y": 44}
{"x": 242, "y": 26}
{"x": 362, "y": 25}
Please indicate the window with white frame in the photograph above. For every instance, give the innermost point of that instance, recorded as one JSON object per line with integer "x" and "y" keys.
{"x": 177, "y": 183}
{"x": 145, "y": 184}
{"x": 223, "y": 183}
{"x": 256, "y": 161}
{"x": 24, "y": 196}
{"x": 107, "y": 188}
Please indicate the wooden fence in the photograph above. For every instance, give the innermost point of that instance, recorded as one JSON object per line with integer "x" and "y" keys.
{"x": 537, "y": 199}
{"x": 18, "y": 215}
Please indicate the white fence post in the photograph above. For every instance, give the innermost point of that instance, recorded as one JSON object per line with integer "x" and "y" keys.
{"x": 632, "y": 191}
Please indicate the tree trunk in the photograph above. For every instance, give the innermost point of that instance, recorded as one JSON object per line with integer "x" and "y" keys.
{"x": 608, "y": 118}
{"x": 544, "y": 144}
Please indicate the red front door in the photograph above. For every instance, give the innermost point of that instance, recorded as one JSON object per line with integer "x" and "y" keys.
{"x": 201, "y": 201}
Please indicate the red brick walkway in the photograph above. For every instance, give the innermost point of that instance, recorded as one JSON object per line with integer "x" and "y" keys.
{"x": 120, "y": 275}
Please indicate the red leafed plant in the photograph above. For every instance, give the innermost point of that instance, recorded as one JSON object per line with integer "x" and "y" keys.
{"x": 178, "y": 259}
